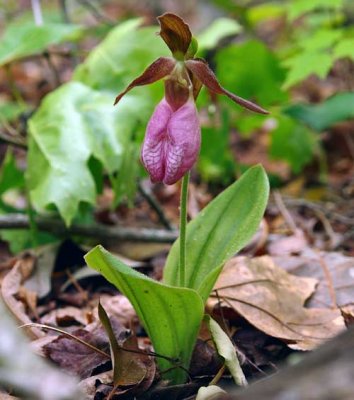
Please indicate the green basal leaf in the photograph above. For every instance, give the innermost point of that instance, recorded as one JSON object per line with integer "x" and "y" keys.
{"x": 170, "y": 315}
{"x": 226, "y": 350}
{"x": 25, "y": 39}
{"x": 219, "y": 231}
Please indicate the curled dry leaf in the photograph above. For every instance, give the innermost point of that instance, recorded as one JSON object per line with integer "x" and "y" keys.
{"x": 273, "y": 301}
{"x": 11, "y": 286}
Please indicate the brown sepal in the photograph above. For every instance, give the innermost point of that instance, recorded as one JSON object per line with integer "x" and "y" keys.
{"x": 160, "y": 68}
{"x": 176, "y": 34}
{"x": 200, "y": 69}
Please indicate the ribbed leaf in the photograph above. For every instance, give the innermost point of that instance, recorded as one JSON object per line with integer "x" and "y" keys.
{"x": 219, "y": 231}
{"x": 170, "y": 315}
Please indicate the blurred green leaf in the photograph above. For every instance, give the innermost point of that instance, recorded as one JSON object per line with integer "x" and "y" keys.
{"x": 300, "y": 7}
{"x": 10, "y": 110}
{"x": 217, "y": 30}
{"x": 321, "y": 39}
{"x": 25, "y": 39}
{"x": 121, "y": 57}
{"x": 170, "y": 315}
{"x": 263, "y": 12}
{"x": 252, "y": 71}
{"x": 78, "y": 123}
{"x": 220, "y": 230}
{"x": 322, "y": 116}
{"x": 305, "y": 64}
{"x": 125, "y": 180}
{"x": 72, "y": 124}
{"x": 10, "y": 175}
{"x": 293, "y": 142}
{"x": 249, "y": 123}
{"x": 345, "y": 48}
{"x": 215, "y": 161}
{"x": 22, "y": 239}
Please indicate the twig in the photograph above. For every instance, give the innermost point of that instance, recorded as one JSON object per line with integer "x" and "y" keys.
{"x": 12, "y": 140}
{"x": 309, "y": 204}
{"x": 53, "y": 69}
{"x": 65, "y": 12}
{"x": 284, "y": 212}
{"x": 154, "y": 204}
{"x": 66, "y": 17}
{"x": 37, "y": 12}
{"x": 99, "y": 231}
{"x": 96, "y": 12}
{"x": 328, "y": 277}
{"x": 327, "y": 227}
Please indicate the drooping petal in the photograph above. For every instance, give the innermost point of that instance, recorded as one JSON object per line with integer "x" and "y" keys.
{"x": 183, "y": 142}
{"x": 202, "y": 71}
{"x": 153, "y": 150}
{"x": 172, "y": 142}
{"x": 160, "y": 68}
{"x": 176, "y": 34}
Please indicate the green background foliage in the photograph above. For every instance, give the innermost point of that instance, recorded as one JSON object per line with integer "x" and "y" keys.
{"x": 77, "y": 139}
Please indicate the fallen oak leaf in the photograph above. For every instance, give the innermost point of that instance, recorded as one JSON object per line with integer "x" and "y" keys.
{"x": 273, "y": 301}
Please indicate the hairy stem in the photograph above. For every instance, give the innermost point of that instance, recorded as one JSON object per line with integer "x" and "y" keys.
{"x": 182, "y": 230}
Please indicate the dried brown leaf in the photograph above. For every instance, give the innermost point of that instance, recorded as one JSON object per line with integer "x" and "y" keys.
{"x": 11, "y": 286}
{"x": 78, "y": 358}
{"x": 273, "y": 301}
{"x": 66, "y": 316}
{"x": 334, "y": 272}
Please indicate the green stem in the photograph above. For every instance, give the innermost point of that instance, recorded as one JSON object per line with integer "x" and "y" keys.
{"x": 182, "y": 230}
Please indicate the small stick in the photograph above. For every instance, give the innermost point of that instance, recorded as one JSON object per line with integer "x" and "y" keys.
{"x": 154, "y": 204}
{"x": 37, "y": 12}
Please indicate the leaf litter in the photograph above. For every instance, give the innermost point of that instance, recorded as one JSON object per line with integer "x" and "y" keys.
{"x": 273, "y": 301}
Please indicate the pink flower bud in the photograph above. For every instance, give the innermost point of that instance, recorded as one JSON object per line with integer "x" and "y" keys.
{"x": 172, "y": 142}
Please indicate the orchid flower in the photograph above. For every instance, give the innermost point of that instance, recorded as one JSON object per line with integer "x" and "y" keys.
{"x": 172, "y": 140}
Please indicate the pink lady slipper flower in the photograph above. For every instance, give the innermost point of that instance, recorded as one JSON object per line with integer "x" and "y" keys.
{"x": 172, "y": 141}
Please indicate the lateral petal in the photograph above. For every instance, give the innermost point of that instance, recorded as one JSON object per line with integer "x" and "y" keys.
{"x": 202, "y": 71}
{"x": 160, "y": 68}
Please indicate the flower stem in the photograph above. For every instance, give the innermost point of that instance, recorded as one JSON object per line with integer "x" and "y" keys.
{"x": 182, "y": 230}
